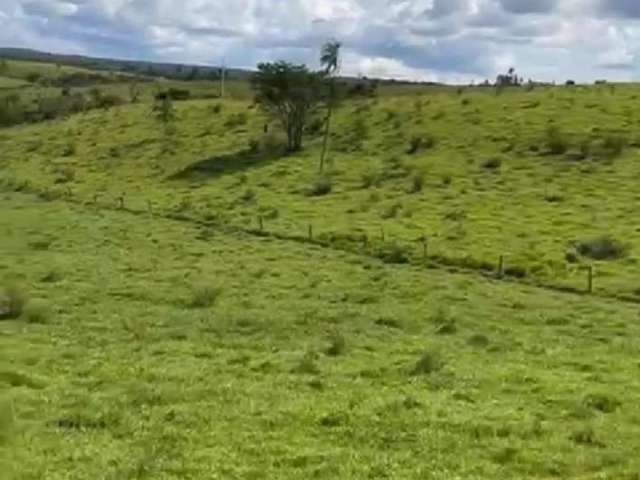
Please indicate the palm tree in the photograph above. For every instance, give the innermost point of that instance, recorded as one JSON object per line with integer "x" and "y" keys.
{"x": 330, "y": 61}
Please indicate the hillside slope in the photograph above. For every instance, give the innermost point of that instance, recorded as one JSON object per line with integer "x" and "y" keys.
{"x": 545, "y": 179}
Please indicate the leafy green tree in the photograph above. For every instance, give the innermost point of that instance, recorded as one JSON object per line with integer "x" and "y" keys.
{"x": 289, "y": 93}
{"x": 330, "y": 61}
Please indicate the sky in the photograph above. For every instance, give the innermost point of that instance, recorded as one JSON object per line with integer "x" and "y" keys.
{"x": 435, "y": 40}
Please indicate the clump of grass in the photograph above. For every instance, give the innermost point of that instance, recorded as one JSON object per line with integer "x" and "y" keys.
{"x": 52, "y": 276}
{"x": 612, "y": 145}
{"x": 248, "y": 196}
{"x": 444, "y": 323}
{"x": 418, "y": 143}
{"x": 307, "y": 364}
{"x": 602, "y": 248}
{"x": 417, "y": 182}
{"x": 370, "y": 179}
{"x": 492, "y": 163}
{"x": 429, "y": 362}
{"x": 321, "y": 185}
{"x": 237, "y": 120}
{"x": 392, "y": 253}
{"x": 37, "y": 311}
{"x": 586, "y": 436}
{"x": 601, "y": 402}
{"x": 391, "y": 211}
{"x": 478, "y": 340}
{"x": 204, "y": 296}
{"x": 65, "y": 175}
{"x": 337, "y": 345}
{"x": 13, "y": 300}
{"x": 555, "y": 141}
{"x": 217, "y": 108}
{"x": 69, "y": 149}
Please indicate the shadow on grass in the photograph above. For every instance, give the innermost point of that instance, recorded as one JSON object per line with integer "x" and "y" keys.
{"x": 229, "y": 164}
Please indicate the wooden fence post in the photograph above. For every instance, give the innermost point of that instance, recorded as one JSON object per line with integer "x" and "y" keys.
{"x": 590, "y": 279}
{"x": 382, "y": 233}
{"x": 121, "y": 202}
{"x": 310, "y": 232}
{"x": 260, "y": 223}
{"x": 425, "y": 248}
{"x": 501, "y": 266}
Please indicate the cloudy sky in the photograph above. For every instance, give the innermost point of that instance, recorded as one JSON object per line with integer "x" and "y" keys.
{"x": 444, "y": 40}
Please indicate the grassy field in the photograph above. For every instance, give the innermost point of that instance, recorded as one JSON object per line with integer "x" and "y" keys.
{"x": 154, "y": 348}
{"x": 198, "y": 305}
{"x": 536, "y": 177}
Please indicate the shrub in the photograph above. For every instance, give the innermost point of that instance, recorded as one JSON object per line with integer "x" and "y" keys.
{"x": 178, "y": 94}
{"x": 236, "y": 120}
{"x": 493, "y": 163}
{"x": 315, "y": 126}
{"x": 612, "y": 145}
{"x": 204, "y": 296}
{"x": 337, "y": 345}
{"x": 478, "y": 340}
{"x": 321, "y": 186}
{"x": 217, "y": 108}
{"x": 602, "y": 248}
{"x": 429, "y": 362}
{"x": 392, "y": 253}
{"x": 109, "y": 100}
{"x": 555, "y": 141}
{"x": 37, "y": 311}
{"x": 12, "y": 301}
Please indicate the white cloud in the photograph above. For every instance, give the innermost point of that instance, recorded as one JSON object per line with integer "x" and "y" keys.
{"x": 427, "y": 39}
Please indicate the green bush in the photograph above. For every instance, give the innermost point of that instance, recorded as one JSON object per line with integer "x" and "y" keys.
{"x": 493, "y": 163}
{"x": 13, "y": 300}
{"x": 429, "y": 362}
{"x": 555, "y": 141}
{"x": 602, "y": 248}
{"x": 236, "y": 120}
{"x": 321, "y": 186}
{"x": 337, "y": 345}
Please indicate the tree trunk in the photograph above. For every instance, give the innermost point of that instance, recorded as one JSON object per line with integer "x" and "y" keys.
{"x": 327, "y": 131}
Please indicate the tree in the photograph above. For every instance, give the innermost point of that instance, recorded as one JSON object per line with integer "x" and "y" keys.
{"x": 330, "y": 61}
{"x": 289, "y": 93}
